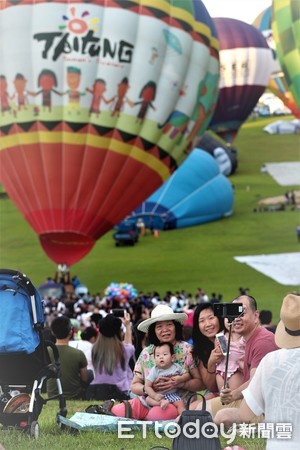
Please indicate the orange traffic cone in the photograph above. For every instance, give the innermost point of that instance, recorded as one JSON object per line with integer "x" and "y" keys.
{"x": 155, "y": 232}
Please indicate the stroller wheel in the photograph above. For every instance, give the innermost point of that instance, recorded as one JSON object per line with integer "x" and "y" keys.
{"x": 34, "y": 430}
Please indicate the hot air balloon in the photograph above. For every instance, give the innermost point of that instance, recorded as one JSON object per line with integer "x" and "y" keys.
{"x": 285, "y": 27}
{"x": 245, "y": 62}
{"x": 278, "y": 82}
{"x": 88, "y": 90}
{"x": 196, "y": 193}
{"x": 225, "y": 156}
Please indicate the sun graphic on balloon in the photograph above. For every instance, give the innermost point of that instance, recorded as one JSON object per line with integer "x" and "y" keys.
{"x": 78, "y": 25}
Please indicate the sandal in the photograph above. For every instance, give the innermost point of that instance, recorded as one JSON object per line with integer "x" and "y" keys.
{"x": 105, "y": 408}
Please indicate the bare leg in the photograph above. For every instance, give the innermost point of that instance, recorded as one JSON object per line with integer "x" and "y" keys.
{"x": 164, "y": 403}
{"x": 236, "y": 380}
{"x": 219, "y": 381}
{"x": 151, "y": 402}
{"x": 179, "y": 405}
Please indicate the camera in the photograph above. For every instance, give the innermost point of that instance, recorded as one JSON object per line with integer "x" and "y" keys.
{"x": 228, "y": 310}
{"x": 118, "y": 312}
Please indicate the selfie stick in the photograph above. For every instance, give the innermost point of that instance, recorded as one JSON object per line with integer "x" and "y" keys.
{"x": 227, "y": 353}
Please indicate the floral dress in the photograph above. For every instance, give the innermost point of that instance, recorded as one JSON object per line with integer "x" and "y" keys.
{"x": 183, "y": 353}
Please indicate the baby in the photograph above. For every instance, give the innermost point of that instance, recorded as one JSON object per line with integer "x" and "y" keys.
{"x": 165, "y": 367}
{"x": 235, "y": 361}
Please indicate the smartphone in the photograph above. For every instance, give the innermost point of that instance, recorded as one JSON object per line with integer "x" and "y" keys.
{"x": 222, "y": 342}
{"x": 118, "y": 312}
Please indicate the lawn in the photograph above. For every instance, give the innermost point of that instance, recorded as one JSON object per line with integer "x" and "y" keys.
{"x": 52, "y": 437}
{"x": 200, "y": 256}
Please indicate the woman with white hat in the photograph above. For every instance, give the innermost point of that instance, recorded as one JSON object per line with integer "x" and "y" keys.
{"x": 275, "y": 388}
{"x": 164, "y": 325}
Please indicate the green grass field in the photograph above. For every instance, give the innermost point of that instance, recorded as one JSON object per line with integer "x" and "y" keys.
{"x": 201, "y": 256}
{"x": 189, "y": 258}
{"x": 52, "y": 437}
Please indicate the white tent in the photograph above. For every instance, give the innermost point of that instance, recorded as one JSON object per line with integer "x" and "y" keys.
{"x": 281, "y": 267}
{"x": 283, "y": 127}
{"x": 285, "y": 173}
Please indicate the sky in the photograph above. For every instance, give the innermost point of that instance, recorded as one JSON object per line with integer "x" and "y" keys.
{"x": 245, "y": 10}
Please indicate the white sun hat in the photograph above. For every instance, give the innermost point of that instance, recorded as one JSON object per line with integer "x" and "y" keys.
{"x": 160, "y": 313}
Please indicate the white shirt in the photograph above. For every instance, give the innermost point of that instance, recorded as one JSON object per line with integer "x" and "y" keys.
{"x": 275, "y": 391}
{"x": 86, "y": 348}
{"x": 173, "y": 302}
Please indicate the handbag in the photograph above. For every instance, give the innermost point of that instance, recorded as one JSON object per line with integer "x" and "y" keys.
{"x": 195, "y": 429}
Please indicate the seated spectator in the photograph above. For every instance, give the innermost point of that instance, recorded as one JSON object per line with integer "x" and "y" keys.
{"x": 275, "y": 386}
{"x": 163, "y": 326}
{"x": 265, "y": 318}
{"x": 110, "y": 358}
{"x": 140, "y": 339}
{"x": 206, "y": 354}
{"x": 235, "y": 360}
{"x": 259, "y": 342}
{"x": 75, "y": 281}
{"x": 73, "y": 362}
{"x": 187, "y": 332}
{"x": 165, "y": 366}
{"x": 85, "y": 344}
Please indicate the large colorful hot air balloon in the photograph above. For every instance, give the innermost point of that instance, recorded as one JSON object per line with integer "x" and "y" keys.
{"x": 245, "y": 61}
{"x": 196, "y": 193}
{"x": 99, "y": 100}
{"x": 278, "y": 82}
{"x": 286, "y": 32}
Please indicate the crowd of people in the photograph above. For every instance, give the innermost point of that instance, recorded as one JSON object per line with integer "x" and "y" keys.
{"x": 162, "y": 350}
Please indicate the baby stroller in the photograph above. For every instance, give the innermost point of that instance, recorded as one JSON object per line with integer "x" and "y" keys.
{"x": 24, "y": 361}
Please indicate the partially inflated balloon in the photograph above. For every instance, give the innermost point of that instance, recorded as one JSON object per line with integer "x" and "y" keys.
{"x": 278, "y": 82}
{"x": 99, "y": 101}
{"x": 196, "y": 193}
{"x": 225, "y": 156}
{"x": 245, "y": 62}
{"x": 286, "y": 32}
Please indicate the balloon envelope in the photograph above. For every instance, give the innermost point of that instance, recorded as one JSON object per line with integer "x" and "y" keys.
{"x": 278, "y": 83}
{"x": 245, "y": 62}
{"x": 286, "y": 32}
{"x": 196, "y": 193}
{"x": 225, "y": 156}
{"x": 85, "y": 89}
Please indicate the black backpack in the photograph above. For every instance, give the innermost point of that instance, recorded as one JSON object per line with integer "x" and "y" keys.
{"x": 189, "y": 439}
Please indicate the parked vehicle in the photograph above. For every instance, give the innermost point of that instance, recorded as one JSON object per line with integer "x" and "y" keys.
{"x": 126, "y": 233}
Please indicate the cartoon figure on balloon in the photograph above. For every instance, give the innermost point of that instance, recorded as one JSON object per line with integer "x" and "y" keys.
{"x": 147, "y": 95}
{"x": 73, "y": 81}
{"x": 20, "y": 91}
{"x": 119, "y": 99}
{"x": 99, "y": 87}
{"x": 47, "y": 81}
{"x": 4, "y": 97}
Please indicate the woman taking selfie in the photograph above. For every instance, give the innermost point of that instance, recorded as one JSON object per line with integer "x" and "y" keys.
{"x": 163, "y": 326}
{"x": 205, "y": 327}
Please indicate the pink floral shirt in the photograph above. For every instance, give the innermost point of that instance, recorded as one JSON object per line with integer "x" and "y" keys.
{"x": 145, "y": 362}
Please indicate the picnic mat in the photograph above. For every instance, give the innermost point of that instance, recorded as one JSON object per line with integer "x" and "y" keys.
{"x": 85, "y": 421}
